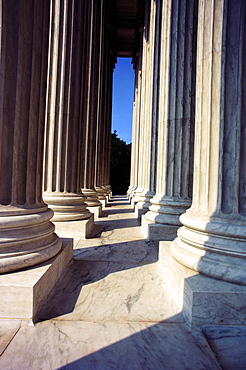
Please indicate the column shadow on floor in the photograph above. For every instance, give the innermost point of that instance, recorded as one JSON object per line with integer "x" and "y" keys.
{"x": 118, "y": 224}
{"x": 157, "y": 346}
{"x": 82, "y": 272}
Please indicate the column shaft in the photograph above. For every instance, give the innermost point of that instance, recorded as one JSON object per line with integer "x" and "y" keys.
{"x": 136, "y": 127}
{"x": 150, "y": 115}
{"x": 62, "y": 165}
{"x": 213, "y": 238}
{"x": 91, "y": 101}
{"x": 176, "y": 115}
{"x": 26, "y": 234}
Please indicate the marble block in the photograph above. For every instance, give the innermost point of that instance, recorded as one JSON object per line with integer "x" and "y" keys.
{"x": 154, "y": 231}
{"x": 204, "y": 300}
{"x": 78, "y": 229}
{"x": 133, "y": 203}
{"x": 96, "y": 210}
{"x": 26, "y": 291}
{"x": 229, "y": 345}
{"x": 139, "y": 212}
{"x": 103, "y": 202}
{"x": 8, "y": 329}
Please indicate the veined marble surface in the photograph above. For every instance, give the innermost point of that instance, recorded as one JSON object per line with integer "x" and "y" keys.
{"x": 111, "y": 310}
{"x": 113, "y": 276}
{"x": 229, "y": 344}
{"x": 111, "y": 291}
{"x": 108, "y": 345}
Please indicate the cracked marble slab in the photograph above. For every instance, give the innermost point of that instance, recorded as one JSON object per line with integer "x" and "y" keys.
{"x": 98, "y": 346}
{"x": 134, "y": 251}
{"x": 111, "y": 291}
{"x": 8, "y": 329}
{"x": 229, "y": 344}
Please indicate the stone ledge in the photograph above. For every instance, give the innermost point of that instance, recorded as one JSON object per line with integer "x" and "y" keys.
{"x": 78, "y": 229}
{"x": 202, "y": 299}
{"x": 24, "y": 292}
{"x": 154, "y": 231}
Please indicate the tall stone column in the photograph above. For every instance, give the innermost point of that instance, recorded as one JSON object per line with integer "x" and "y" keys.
{"x": 101, "y": 110}
{"x": 213, "y": 237}
{"x": 150, "y": 116}
{"x": 134, "y": 177}
{"x": 176, "y": 120}
{"x": 90, "y": 108}
{"x": 64, "y": 126}
{"x": 26, "y": 233}
{"x": 104, "y": 152}
{"x": 136, "y": 163}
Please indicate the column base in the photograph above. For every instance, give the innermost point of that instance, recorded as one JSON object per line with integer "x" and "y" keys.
{"x": 97, "y": 211}
{"x": 202, "y": 299}
{"x": 25, "y": 291}
{"x": 67, "y": 206}
{"x": 154, "y": 231}
{"x": 80, "y": 229}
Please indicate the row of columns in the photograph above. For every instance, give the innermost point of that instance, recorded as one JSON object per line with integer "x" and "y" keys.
{"x": 199, "y": 128}
{"x": 56, "y": 70}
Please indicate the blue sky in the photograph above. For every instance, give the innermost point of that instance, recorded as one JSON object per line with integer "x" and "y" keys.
{"x": 123, "y": 88}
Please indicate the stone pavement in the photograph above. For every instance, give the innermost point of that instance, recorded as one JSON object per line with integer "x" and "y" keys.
{"x": 113, "y": 310}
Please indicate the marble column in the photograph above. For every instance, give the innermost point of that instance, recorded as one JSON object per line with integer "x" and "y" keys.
{"x": 101, "y": 109}
{"x": 136, "y": 163}
{"x": 103, "y": 134}
{"x": 90, "y": 108}
{"x": 135, "y": 127}
{"x": 213, "y": 237}
{"x": 64, "y": 131}
{"x": 111, "y": 59}
{"x": 26, "y": 234}
{"x": 150, "y": 116}
{"x": 176, "y": 120}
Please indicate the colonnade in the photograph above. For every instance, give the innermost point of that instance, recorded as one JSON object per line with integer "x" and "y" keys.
{"x": 56, "y": 85}
{"x": 188, "y": 174}
{"x": 188, "y": 158}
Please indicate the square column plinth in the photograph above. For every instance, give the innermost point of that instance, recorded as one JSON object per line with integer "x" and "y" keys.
{"x": 139, "y": 212}
{"x": 24, "y": 292}
{"x": 78, "y": 229}
{"x": 202, "y": 299}
{"x": 155, "y": 231}
{"x": 96, "y": 210}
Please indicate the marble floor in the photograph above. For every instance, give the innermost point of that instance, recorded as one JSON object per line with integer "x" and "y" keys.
{"x": 113, "y": 310}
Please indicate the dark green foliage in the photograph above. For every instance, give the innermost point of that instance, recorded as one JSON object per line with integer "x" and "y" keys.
{"x": 120, "y": 164}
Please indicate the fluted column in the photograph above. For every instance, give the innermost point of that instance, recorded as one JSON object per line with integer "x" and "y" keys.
{"x": 135, "y": 131}
{"x": 213, "y": 238}
{"x": 149, "y": 143}
{"x": 26, "y": 234}
{"x": 90, "y": 105}
{"x": 64, "y": 131}
{"x": 101, "y": 143}
{"x": 142, "y": 110}
{"x": 176, "y": 119}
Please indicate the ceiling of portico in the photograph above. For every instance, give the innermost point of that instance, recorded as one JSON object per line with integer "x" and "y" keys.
{"x": 126, "y": 24}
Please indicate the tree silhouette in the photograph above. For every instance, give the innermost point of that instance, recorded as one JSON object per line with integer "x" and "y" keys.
{"x": 120, "y": 164}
